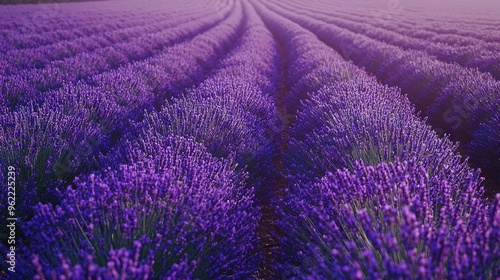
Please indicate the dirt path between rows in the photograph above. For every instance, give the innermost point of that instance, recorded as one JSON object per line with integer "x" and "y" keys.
{"x": 268, "y": 230}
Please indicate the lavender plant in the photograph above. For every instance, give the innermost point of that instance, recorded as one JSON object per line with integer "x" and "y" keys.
{"x": 484, "y": 138}
{"x": 389, "y": 221}
{"x": 222, "y": 129}
{"x": 353, "y": 121}
{"x": 183, "y": 209}
{"x": 121, "y": 264}
{"x": 49, "y": 146}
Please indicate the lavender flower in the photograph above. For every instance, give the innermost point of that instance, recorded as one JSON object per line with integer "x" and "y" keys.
{"x": 389, "y": 221}
{"x": 192, "y": 209}
{"x": 49, "y": 146}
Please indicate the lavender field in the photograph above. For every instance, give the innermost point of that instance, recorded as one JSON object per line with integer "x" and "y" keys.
{"x": 250, "y": 139}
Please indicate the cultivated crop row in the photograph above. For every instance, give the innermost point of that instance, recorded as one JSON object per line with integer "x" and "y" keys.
{"x": 484, "y": 57}
{"x": 21, "y": 59}
{"x": 28, "y": 84}
{"x": 422, "y": 24}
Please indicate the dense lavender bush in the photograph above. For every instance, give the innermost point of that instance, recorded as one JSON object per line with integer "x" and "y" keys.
{"x": 127, "y": 89}
{"x": 3, "y": 98}
{"x": 121, "y": 264}
{"x": 479, "y": 148}
{"x": 90, "y": 103}
{"x": 223, "y": 128}
{"x": 259, "y": 114}
{"x": 466, "y": 103}
{"x": 353, "y": 121}
{"x": 49, "y": 145}
{"x": 255, "y": 58}
{"x": 389, "y": 221}
{"x": 183, "y": 209}
{"x": 244, "y": 92}
{"x": 327, "y": 69}
{"x": 161, "y": 149}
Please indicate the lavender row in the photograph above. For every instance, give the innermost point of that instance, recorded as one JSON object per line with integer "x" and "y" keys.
{"x": 28, "y": 28}
{"x": 409, "y": 29}
{"x": 233, "y": 112}
{"x": 476, "y": 56}
{"x": 347, "y": 118}
{"x": 467, "y": 25}
{"x": 43, "y": 29}
{"x": 186, "y": 214}
{"x": 417, "y": 20}
{"x": 53, "y": 140}
{"x": 456, "y": 100}
{"x": 51, "y": 23}
{"x": 14, "y": 61}
{"x": 11, "y": 14}
{"x": 30, "y": 84}
{"x": 393, "y": 221}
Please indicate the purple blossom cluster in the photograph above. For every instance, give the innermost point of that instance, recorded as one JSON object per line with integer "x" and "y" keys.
{"x": 182, "y": 207}
{"x": 122, "y": 264}
{"x": 391, "y": 221}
